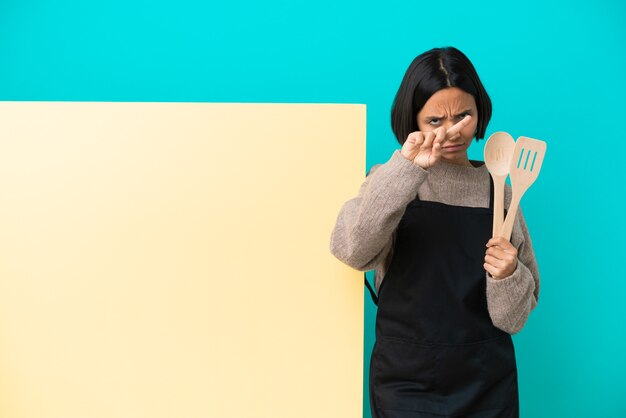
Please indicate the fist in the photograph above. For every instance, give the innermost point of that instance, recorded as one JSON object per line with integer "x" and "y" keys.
{"x": 424, "y": 148}
{"x": 500, "y": 258}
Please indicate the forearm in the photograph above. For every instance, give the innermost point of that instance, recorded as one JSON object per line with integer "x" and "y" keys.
{"x": 363, "y": 231}
{"x": 511, "y": 299}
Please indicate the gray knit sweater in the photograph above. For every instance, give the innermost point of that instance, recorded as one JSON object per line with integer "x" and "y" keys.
{"x": 364, "y": 233}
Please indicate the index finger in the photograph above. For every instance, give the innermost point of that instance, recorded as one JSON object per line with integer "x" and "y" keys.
{"x": 503, "y": 243}
{"x": 459, "y": 126}
{"x": 441, "y": 134}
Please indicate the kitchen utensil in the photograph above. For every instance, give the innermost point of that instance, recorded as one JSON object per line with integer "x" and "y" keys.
{"x": 525, "y": 166}
{"x": 498, "y": 152}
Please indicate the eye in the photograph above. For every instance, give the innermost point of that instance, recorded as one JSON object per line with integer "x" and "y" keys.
{"x": 431, "y": 121}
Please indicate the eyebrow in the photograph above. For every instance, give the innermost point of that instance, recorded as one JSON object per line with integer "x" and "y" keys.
{"x": 441, "y": 117}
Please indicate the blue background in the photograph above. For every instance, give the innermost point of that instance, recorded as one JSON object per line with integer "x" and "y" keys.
{"x": 554, "y": 70}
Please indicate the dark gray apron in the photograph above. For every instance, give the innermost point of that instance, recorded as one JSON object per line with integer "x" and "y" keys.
{"x": 437, "y": 352}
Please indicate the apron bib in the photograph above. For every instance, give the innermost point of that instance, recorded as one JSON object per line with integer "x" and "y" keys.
{"x": 437, "y": 352}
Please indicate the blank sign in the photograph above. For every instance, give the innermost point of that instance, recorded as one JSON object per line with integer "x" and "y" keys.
{"x": 172, "y": 260}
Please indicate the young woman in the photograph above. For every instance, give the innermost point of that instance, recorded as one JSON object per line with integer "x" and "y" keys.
{"x": 449, "y": 295}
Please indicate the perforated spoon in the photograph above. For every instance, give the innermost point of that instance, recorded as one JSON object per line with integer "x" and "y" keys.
{"x": 525, "y": 166}
{"x": 498, "y": 152}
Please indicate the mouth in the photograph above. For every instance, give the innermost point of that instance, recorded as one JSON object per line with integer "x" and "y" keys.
{"x": 454, "y": 147}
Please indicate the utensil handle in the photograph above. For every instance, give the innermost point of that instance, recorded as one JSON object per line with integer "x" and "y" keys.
{"x": 498, "y": 205}
{"x": 507, "y": 228}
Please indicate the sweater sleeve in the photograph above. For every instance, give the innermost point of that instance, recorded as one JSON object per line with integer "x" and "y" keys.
{"x": 511, "y": 299}
{"x": 362, "y": 235}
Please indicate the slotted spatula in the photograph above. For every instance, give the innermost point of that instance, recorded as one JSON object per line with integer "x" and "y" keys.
{"x": 525, "y": 166}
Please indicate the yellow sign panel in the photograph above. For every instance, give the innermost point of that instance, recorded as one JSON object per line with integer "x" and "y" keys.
{"x": 172, "y": 260}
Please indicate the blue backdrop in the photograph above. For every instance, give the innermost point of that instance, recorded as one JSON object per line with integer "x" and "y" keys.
{"x": 554, "y": 70}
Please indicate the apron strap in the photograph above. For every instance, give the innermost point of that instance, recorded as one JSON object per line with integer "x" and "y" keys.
{"x": 369, "y": 287}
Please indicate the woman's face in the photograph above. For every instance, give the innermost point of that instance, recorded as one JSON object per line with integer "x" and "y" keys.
{"x": 446, "y": 108}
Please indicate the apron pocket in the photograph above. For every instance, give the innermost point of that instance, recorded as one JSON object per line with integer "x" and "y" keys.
{"x": 404, "y": 375}
{"x": 460, "y": 371}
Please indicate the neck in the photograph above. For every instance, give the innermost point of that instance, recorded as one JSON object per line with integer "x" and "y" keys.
{"x": 462, "y": 172}
{"x": 463, "y": 162}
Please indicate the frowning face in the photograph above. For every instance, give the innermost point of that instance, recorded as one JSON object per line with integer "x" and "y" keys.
{"x": 446, "y": 108}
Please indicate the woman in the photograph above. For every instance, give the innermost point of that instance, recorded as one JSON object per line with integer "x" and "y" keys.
{"x": 449, "y": 295}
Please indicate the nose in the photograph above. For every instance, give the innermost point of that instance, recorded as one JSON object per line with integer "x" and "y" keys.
{"x": 448, "y": 124}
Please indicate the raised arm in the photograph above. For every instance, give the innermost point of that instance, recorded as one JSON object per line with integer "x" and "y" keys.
{"x": 362, "y": 236}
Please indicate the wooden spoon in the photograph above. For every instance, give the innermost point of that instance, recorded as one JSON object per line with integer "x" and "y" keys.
{"x": 498, "y": 152}
{"x": 525, "y": 166}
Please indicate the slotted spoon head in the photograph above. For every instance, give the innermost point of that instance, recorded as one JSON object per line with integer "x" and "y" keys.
{"x": 526, "y": 162}
{"x": 498, "y": 151}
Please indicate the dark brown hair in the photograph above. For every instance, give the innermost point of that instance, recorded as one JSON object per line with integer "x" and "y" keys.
{"x": 430, "y": 72}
